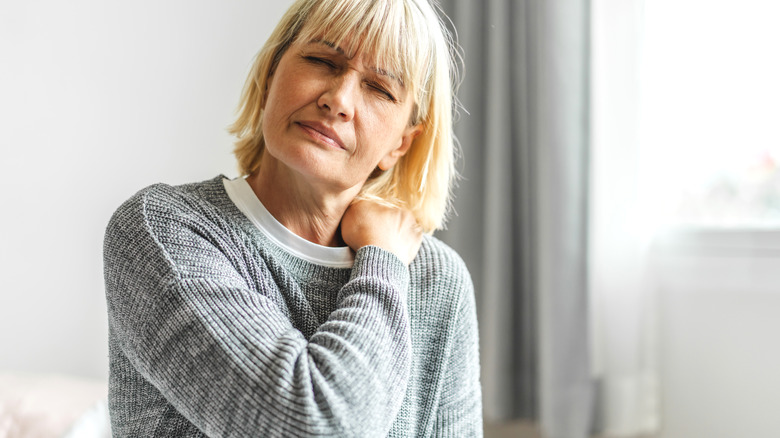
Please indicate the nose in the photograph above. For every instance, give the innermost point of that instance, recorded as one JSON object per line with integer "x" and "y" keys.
{"x": 339, "y": 97}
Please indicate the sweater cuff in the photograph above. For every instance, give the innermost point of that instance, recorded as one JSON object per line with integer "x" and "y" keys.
{"x": 373, "y": 261}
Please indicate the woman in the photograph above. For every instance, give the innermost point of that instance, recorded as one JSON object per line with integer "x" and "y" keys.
{"x": 304, "y": 299}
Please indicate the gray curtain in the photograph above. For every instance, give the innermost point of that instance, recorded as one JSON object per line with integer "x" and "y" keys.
{"x": 522, "y": 204}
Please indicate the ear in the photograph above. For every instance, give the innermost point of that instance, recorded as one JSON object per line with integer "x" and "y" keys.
{"x": 395, "y": 154}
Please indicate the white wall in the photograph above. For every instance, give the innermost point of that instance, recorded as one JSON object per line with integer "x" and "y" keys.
{"x": 97, "y": 100}
{"x": 718, "y": 302}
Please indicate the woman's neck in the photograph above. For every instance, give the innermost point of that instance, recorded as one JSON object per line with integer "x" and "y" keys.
{"x": 312, "y": 212}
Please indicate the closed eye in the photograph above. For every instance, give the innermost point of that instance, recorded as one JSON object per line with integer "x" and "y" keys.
{"x": 318, "y": 60}
{"x": 380, "y": 89}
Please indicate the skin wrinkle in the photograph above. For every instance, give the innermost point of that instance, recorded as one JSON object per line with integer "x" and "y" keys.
{"x": 375, "y": 69}
{"x": 308, "y": 186}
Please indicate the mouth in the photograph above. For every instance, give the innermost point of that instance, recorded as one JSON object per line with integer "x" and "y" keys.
{"x": 322, "y": 133}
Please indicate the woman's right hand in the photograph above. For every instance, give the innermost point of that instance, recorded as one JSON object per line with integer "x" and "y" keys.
{"x": 392, "y": 229}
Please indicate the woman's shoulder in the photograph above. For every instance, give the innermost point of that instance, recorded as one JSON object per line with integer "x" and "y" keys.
{"x": 168, "y": 196}
{"x": 161, "y": 201}
{"x": 436, "y": 253}
{"x": 440, "y": 266}
{"x": 168, "y": 214}
{"x": 184, "y": 230}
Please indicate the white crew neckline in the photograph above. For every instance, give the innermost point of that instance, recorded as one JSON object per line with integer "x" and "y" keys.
{"x": 242, "y": 195}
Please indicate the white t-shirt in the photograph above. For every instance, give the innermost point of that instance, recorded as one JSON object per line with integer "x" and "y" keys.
{"x": 246, "y": 201}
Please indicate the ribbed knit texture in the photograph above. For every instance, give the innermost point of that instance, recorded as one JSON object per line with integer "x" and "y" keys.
{"x": 216, "y": 331}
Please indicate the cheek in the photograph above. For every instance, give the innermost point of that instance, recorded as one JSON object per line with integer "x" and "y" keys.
{"x": 278, "y": 111}
{"x": 287, "y": 90}
{"x": 376, "y": 140}
{"x": 275, "y": 101}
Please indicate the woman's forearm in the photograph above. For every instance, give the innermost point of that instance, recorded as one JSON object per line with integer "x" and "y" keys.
{"x": 230, "y": 359}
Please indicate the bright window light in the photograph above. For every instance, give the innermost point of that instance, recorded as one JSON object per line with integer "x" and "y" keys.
{"x": 710, "y": 112}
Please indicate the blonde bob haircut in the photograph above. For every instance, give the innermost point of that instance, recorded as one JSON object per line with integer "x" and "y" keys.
{"x": 406, "y": 37}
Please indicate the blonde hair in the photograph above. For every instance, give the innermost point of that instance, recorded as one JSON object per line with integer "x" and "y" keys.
{"x": 406, "y": 37}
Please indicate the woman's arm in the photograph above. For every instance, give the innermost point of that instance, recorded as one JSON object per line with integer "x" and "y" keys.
{"x": 228, "y": 358}
{"x": 460, "y": 408}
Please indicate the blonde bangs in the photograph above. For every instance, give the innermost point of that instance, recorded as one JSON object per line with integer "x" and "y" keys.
{"x": 387, "y": 30}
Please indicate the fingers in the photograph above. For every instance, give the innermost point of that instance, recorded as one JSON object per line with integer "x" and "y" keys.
{"x": 390, "y": 228}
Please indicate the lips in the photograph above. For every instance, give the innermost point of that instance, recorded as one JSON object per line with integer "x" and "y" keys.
{"x": 322, "y": 133}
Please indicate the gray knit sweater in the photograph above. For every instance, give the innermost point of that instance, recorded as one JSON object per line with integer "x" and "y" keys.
{"x": 216, "y": 331}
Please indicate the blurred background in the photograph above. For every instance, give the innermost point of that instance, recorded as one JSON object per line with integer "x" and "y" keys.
{"x": 619, "y": 206}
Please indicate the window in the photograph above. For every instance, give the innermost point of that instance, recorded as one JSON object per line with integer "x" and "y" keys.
{"x": 709, "y": 112}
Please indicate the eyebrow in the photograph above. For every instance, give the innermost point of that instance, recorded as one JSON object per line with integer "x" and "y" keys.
{"x": 377, "y": 70}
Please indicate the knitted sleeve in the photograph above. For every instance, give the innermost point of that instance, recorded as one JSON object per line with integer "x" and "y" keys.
{"x": 226, "y": 357}
{"x": 460, "y": 409}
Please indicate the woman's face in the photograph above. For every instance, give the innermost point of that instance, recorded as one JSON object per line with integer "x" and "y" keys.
{"x": 333, "y": 119}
